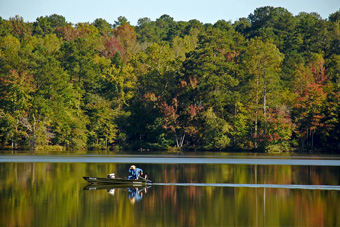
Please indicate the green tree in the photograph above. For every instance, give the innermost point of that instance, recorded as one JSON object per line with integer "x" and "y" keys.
{"x": 330, "y": 133}
{"x": 102, "y": 127}
{"x": 210, "y": 70}
{"x": 182, "y": 46}
{"x": 42, "y": 26}
{"x": 16, "y": 91}
{"x": 242, "y": 25}
{"x": 120, "y": 21}
{"x": 333, "y": 66}
{"x": 262, "y": 61}
{"x": 334, "y": 17}
{"x": 77, "y": 58}
{"x": 121, "y": 84}
{"x": 164, "y": 24}
{"x": 163, "y": 29}
{"x": 5, "y": 27}
{"x": 223, "y": 25}
{"x": 334, "y": 33}
{"x": 145, "y": 30}
{"x": 104, "y": 27}
{"x": 274, "y": 24}
{"x": 313, "y": 31}
{"x": 160, "y": 88}
{"x": 9, "y": 53}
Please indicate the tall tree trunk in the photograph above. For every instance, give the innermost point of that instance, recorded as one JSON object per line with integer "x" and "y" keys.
{"x": 182, "y": 140}
{"x": 176, "y": 138}
{"x": 179, "y": 141}
{"x": 33, "y": 133}
{"x": 234, "y": 137}
{"x": 256, "y": 110}
{"x": 312, "y": 132}
{"x": 264, "y": 100}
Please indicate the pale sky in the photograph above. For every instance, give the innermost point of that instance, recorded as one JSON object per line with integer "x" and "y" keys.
{"x": 207, "y": 11}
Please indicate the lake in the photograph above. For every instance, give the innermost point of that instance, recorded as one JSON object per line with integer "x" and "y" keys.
{"x": 191, "y": 189}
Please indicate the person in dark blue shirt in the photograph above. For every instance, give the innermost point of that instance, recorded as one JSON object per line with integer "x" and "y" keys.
{"x": 135, "y": 172}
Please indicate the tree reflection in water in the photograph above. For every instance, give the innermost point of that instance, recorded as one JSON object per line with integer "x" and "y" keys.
{"x": 51, "y": 194}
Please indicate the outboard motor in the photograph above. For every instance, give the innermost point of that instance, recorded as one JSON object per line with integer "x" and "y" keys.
{"x": 111, "y": 176}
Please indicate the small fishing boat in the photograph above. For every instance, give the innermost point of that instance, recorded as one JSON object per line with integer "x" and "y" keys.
{"x": 108, "y": 187}
{"x": 118, "y": 181}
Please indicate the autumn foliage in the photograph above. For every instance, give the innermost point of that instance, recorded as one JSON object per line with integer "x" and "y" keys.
{"x": 268, "y": 82}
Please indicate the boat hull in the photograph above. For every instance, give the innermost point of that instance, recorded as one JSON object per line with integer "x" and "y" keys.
{"x": 117, "y": 181}
{"x": 91, "y": 187}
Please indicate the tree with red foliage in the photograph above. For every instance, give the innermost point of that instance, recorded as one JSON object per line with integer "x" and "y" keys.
{"x": 310, "y": 105}
{"x": 179, "y": 122}
{"x": 279, "y": 130}
{"x": 111, "y": 47}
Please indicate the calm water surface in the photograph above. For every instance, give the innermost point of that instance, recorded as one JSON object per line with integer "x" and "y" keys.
{"x": 190, "y": 190}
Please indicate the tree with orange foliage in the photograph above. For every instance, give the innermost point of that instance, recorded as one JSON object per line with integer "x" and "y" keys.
{"x": 179, "y": 122}
{"x": 126, "y": 35}
{"x": 310, "y": 104}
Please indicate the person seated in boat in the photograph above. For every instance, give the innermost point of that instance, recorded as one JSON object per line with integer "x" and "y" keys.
{"x": 135, "y": 172}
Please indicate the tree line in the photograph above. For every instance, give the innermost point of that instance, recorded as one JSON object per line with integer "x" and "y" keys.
{"x": 268, "y": 82}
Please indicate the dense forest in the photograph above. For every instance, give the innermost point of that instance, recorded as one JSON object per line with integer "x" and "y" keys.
{"x": 268, "y": 82}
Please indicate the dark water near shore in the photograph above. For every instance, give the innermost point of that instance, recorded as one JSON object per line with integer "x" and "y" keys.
{"x": 190, "y": 190}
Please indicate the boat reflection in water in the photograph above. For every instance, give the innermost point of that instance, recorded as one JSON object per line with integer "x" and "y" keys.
{"x": 135, "y": 193}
